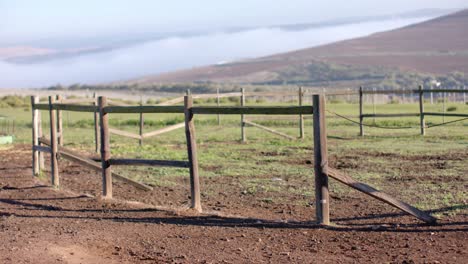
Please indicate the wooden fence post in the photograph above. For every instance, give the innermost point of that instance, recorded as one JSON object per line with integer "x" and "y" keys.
{"x": 361, "y": 118}
{"x": 40, "y": 134}
{"x": 105, "y": 149}
{"x": 301, "y": 117}
{"x": 59, "y": 123}
{"x": 244, "y": 136}
{"x": 96, "y": 125}
{"x": 142, "y": 123}
{"x": 35, "y": 135}
{"x": 192, "y": 153}
{"x": 421, "y": 110}
{"x": 53, "y": 143}
{"x": 217, "y": 102}
{"x": 322, "y": 200}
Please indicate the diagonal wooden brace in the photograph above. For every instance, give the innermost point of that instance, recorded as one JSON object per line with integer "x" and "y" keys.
{"x": 371, "y": 191}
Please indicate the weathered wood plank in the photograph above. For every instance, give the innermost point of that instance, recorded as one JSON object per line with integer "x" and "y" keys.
{"x": 75, "y": 108}
{"x": 105, "y": 149}
{"x": 253, "y": 110}
{"x": 369, "y": 190}
{"x": 192, "y": 154}
{"x": 163, "y": 130}
{"x": 144, "y": 109}
{"x": 41, "y": 106}
{"x": 96, "y": 124}
{"x": 322, "y": 199}
{"x": 40, "y": 134}
{"x": 124, "y": 133}
{"x": 53, "y": 143}
{"x": 35, "y": 135}
{"x": 42, "y": 149}
{"x": 421, "y": 111}
{"x": 145, "y": 162}
{"x": 269, "y": 130}
{"x": 242, "y": 101}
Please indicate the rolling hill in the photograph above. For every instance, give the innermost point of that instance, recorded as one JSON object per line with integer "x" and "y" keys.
{"x": 438, "y": 47}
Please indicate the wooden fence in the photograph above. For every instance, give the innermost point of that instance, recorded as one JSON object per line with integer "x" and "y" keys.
{"x": 322, "y": 169}
{"x": 242, "y": 95}
{"x": 422, "y": 114}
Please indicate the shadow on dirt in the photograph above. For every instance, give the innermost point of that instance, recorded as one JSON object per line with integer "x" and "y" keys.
{"x": 121, "y": 215}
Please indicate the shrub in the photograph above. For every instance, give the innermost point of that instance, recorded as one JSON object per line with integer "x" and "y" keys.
{"x": 452, "y": 109}
{"x": 14, "y": 101}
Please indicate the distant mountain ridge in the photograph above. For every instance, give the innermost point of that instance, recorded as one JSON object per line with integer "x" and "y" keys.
{"x": 435, "y": 47}
{"x": 50, "y": 49}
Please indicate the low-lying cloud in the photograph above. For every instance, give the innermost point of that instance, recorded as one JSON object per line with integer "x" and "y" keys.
{"x": 177, "y": 53}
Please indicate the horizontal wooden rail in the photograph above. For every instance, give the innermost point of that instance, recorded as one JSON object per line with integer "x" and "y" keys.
{"x": 369, "y": 190}
{"x": 75, "y": 108}
{"x": 91, "y": 164}
{"x": 124, "y": 133}
{"x": 390, "y": 115}
{"x": 42, "y": 149}
{"x": 41, "y": 106}
{"x": 144, "y": 162}
{"x": 269, "y": 130}
{"x": 253, "y": 110}
{"x": 446, "y": 114}
{"x": 67, "y": 107}
{"x": 163, "y": 130}
{"x": 144, "y": 109}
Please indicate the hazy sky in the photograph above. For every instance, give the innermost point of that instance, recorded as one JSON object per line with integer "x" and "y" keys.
{"x": 30, "y": 20}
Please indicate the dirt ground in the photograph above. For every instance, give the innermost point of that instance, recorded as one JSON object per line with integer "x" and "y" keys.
{"x": 39, "y": 224}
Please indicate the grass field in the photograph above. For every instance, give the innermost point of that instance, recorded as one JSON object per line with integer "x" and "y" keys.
{"x": 430, "y": 171}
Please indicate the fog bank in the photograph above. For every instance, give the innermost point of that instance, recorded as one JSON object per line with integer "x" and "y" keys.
{"x": 177, "y": 53}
